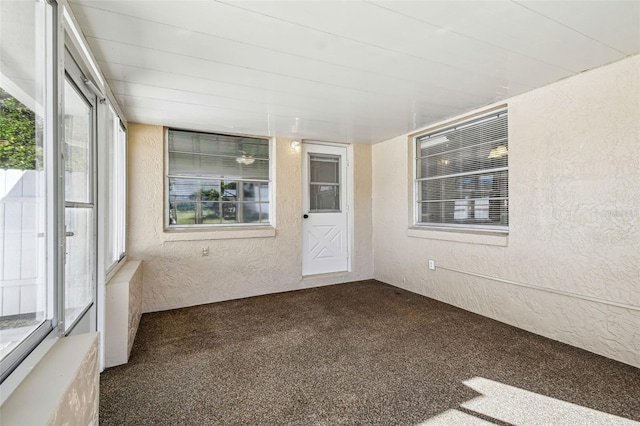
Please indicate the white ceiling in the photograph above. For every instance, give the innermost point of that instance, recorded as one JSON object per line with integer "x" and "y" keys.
{"x": 344, "y": 71}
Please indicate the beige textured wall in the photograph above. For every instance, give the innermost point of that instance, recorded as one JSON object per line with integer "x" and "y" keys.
{"x": 135, "y": 307}
{"x": 80, "y": 402}
{"x": 61, "y": 389}
{"x": 175, "y": 272}
{"x": 574, "y": 160}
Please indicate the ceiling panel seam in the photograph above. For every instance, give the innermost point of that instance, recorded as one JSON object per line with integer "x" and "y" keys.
{"x": 389, "y": 95}
{"x": 364, "y": 70}
{"x": 569, "y": 27}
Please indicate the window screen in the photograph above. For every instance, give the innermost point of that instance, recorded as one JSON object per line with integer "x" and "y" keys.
{"x": 462, "y": 174}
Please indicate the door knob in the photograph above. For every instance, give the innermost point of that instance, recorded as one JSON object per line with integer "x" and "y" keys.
{"x": 306, "y": 216}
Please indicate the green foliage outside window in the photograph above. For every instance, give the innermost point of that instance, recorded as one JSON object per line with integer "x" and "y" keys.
{"x": 18, "y": 148}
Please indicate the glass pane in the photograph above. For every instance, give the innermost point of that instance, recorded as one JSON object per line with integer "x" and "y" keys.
{"x": 182, "y": 213}
{"x": 229, "y": 192}
{"x": 482, "y": 211}
{"x": 493, "y": 131}
{"x": 486, "y": 185}
{"x": 106, "y": 155}
{"x": 24, "y": 290}
{"x": 201, "y": 201}
{"x": 77, "y": 146}
{"x": 229, "y": 212}
{"x": 324, "y": 168}
{"x": 210, "y": 212}
{"x": 79, "y": 277}
{"x": 255, "y": 191}
{"x": 473, "y": 159}
{"x": 264, "y": 212}
{"x": 324, "y": 198}
{"x": 216, "y": 144}
{"x": 220, "y": 167}
{"x": 254, "y": 212}
{"x": 120, "y": 206}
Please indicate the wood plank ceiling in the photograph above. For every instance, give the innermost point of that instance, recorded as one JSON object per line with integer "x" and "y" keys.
{"x": 343, "y": 71}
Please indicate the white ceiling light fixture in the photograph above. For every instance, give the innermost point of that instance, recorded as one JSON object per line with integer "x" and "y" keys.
{"x": 295, "y": 145}
{"x": 245, "y": 159}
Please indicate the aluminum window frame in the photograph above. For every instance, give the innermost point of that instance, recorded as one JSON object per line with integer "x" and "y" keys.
{"x": 62, "y": 38}
{"x": 49, "y": 328}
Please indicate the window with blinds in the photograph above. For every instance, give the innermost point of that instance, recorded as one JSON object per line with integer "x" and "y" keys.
{"x": 462, "y": 174}
{"x": 216, "y": 179}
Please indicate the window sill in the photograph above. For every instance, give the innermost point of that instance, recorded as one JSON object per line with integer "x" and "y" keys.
{"x": 488, "y": 238}
{"x": 48, "y": 381}
{"x": 222, "y": 233}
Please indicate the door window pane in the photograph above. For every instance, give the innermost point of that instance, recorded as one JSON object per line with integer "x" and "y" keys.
{"x": 324, "y": 183}
{"x": 324, "y": 198}
{"x": 324, "y": 168}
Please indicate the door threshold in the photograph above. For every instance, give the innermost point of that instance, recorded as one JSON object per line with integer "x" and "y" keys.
{"x": 325, "y": 275}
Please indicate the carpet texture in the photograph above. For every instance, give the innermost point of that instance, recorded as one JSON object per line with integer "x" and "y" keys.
{"x": 356, "y": 353}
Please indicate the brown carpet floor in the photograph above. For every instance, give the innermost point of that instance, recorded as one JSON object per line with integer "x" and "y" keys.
{"x": 356, "y": 353}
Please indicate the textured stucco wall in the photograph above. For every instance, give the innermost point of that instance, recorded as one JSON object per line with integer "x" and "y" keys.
{"x": 176, "y": 274}
{"x": 62, "y": 388}
{"x": 80, "y": 402}
{"x": 574, "y": 160}
{"x": 135, "y": 306}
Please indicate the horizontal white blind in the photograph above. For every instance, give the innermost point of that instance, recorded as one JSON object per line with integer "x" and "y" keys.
{"x": 462, "y": 174}
{"x": 214, "y": 155}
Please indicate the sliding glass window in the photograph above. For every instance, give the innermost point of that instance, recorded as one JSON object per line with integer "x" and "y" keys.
{"x": 27, "y": 205}
{"x": 112, "y": 160}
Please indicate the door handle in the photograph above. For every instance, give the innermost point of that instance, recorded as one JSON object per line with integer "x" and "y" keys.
{"x": 305, "y": 216}
{"x": 69, "y": 234}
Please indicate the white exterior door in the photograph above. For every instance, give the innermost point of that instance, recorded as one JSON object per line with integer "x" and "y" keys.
{"x": 325, "y": 236}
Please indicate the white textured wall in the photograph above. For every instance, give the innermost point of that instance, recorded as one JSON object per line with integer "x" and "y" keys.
{"x": 574, "y": 168}
{"x": 175, "y": 272}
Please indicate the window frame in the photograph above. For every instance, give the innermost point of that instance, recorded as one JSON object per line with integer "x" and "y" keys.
{"x": 219, "y": 226}
{"x": 61, "y": 39}
{"x": 112, "y": 190}
{"x": 451, "y": 125}
{"x": 49, "y": 326}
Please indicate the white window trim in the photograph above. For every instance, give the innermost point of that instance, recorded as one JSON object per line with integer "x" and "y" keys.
{"x": 227, "y": 230}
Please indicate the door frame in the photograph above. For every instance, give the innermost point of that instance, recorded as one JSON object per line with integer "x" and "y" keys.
{"x": 349, "y": 186}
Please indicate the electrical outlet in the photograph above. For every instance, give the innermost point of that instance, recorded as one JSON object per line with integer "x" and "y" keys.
{"x": 205, "y": 251}
{"x": 432, "y": 264}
